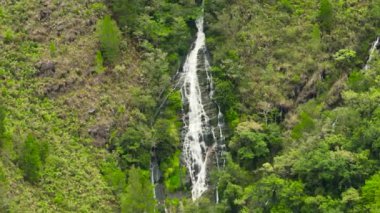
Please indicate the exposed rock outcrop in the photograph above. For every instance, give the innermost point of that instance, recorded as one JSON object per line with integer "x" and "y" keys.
{"x": 100, "y": 134}
{"x": 45, "y": 68}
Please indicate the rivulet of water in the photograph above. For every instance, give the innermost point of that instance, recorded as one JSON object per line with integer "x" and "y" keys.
{"x": 374, "y": 47}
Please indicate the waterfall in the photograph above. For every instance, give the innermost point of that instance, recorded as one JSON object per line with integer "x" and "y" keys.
{"x": 371, "y": 52}
{"x": 203, "y": 121}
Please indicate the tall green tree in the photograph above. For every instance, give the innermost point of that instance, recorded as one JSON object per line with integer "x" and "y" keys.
{"x": 110, "y": 38}
{"x": 326, "y": 15}
{"x": 139, "y": 193}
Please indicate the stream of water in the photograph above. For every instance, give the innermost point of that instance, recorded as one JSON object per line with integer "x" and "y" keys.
{"x": 203, "y": 121}
{"x": 374, "y": 47}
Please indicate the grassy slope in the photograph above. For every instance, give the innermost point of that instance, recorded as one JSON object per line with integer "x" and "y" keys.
{"x": 57, "y": 107}
{"x": 277, "y": 51}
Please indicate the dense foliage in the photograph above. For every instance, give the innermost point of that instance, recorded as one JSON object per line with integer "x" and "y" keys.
{"x": 109, "y": 37}
{"x": 139, "y": 193}
{"x": 88, "y": 105}
{"x": 290, "y": 80}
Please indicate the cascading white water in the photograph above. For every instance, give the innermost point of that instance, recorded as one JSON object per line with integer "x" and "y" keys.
{"x": 195, "y": 148}
{"x": 371, "y": 52}
{"x": 197, "y": 121}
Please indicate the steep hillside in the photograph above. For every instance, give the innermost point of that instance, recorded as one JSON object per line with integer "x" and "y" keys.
{"x": 107, "y": 106}
{"x": 291, "y": 82}
{"x": 51, "y": 90}
{"x": 79, "y": 98}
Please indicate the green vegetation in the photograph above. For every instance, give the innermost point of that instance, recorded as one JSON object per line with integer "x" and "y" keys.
{"x": 109, "y": 37}
{"x": 32, "y": 158}
{"x": 114, "y": 176}
{"x": 2, "y": 126}
{"x": 99, "y": 63}
{"x": 139, "y": 193}
{"x": 52, "y": 49}
{"x": 135, "y": 144}
{"x": 164, "y": 24}
{"x": 87, "y": 100}
{"x": 302, "y": 111}
{"x": 326, "y": 15}
{"x": 174, "y": 172}
{"x": 167, "y": 129}
{"x": 127, "y": 12}
{"x": 252, "y": 145}
{"x": 371, "y": 191}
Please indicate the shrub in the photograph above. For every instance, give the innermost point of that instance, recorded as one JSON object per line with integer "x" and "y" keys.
{"x": 99, "y": 63}
{"x": 32, "y": 157}
{"x": 345, "y": 57}
{"x": 52, "y": 49}
{"x": 2, "y": 125}
{"x": 9, "y": 35}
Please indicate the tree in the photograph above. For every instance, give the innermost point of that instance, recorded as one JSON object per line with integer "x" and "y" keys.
{"x": 273, "y": 194}
{"x": 32, "y": 158}
{"x": 321, "y": 204}
{"x": 371, "y": 193}
{"x": 306, "y": 123}
{"x": 136, "y": 145}
{"x": 252, "y": 144}
{"x": 326, "y": 15}
{"x": 114, "y": 176}
{"x": 127, "y": 12}
{"x": 110, "y": 37}
{"x": 375, "y": 12}
{"x": 139, "y": 193}
{"x": 350, "y": 198}
{"x": 156, "y": 70}
{"x": 329, "y": 168}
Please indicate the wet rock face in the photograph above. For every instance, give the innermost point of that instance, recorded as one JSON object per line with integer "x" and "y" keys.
{"x": 203, "y": 132}
{"x": 45, "y": 68}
